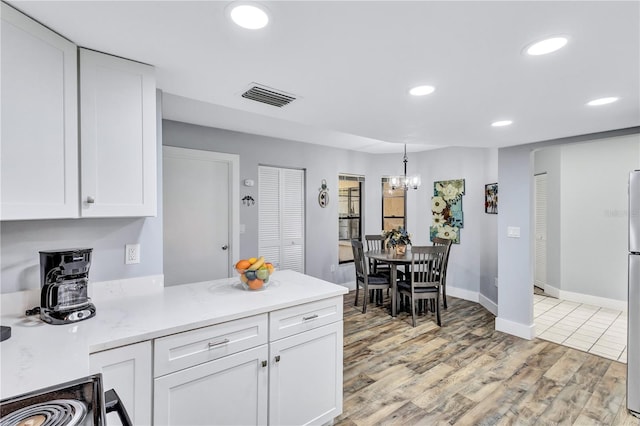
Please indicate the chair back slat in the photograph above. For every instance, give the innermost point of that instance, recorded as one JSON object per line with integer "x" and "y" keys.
{"x": 374, "y": 242}
{"x": 427, "y": 264}
{"x": 358, "y": 259}
{"x": 437, "y": 241}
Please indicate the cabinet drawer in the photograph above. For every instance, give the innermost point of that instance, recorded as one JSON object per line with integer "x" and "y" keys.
{"x": 290, "y": 321}
{"x": 179, "y": 351}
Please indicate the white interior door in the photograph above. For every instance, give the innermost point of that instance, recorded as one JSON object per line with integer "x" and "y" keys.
{"x": 281, "y": 217}
{"x": 540, "y": 189}
{"x": 200, "y": 192}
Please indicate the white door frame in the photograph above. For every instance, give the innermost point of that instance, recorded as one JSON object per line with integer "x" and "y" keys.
{"x": 233, "y": 161}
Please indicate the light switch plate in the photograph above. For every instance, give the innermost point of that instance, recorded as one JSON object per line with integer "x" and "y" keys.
{"x": 513, "y": 231}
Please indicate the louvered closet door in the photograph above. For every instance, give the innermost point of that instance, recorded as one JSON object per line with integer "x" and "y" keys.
{"x": 281, "y": 217}
{"x": 540, "y": 189}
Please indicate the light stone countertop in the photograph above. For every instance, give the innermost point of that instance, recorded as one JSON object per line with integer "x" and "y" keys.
{"x": 39, "y": 355}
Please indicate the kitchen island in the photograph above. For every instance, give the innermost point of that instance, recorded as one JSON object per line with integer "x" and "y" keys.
{"x": 40, "y": 355}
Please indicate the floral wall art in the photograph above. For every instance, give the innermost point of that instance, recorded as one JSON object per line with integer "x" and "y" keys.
{"x": 491, "y": 198}
{"x": 446, "y": 208}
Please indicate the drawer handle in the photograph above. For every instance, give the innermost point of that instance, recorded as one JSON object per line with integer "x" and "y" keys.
{"x": 310, "y": 318}
{"x": 222, "y": 342}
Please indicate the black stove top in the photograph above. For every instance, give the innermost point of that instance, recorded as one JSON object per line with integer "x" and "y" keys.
{"x": 76, "y": 403}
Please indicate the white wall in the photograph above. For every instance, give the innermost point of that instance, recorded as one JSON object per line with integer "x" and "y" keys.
{"x": 548, "y": 160}
{"x": 587, "y": 185}
{"x": 515, "y": 265}
{"x": 594, "y": 216}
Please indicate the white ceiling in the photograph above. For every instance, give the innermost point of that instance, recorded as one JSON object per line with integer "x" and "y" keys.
{"x": 351, "y": 64}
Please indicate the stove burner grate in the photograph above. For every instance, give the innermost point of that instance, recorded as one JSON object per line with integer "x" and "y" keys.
{"x": 59, "y": 412}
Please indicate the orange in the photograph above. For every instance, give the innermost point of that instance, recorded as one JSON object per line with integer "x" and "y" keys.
{"x": 255, "y": 284}
{"x": 243, "y": 264}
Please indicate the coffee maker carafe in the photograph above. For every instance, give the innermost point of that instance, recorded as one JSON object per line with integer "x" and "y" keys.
{"x": 65, "y": 278}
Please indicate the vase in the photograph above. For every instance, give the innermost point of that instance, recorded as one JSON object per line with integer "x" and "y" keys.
{"x": 401, "y": 249}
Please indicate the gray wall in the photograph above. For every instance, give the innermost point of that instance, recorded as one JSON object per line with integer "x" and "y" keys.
{"x": 548, "y": 160}
{"x": 587, "y": 185}
{"x": 20, "y": 241}
{"x": 318, "y": 161}
{"x": 473, "y": 262}
{"x": 515, "y": 169}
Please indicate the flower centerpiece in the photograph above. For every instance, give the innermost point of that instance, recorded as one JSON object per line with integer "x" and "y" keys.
{"x": 397, "y": 238}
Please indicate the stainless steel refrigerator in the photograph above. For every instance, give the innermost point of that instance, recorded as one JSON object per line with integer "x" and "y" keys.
{"x": 633, "y": 326}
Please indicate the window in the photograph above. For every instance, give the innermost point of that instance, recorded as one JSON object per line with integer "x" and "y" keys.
{"x": 350, "y": 189}
{"x": 393, "y": 206}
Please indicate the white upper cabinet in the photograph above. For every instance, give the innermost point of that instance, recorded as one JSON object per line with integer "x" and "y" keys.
{"x": 47, "y": 171}
{"x": 39, "y": 148}
{"x": 118, "y": 137}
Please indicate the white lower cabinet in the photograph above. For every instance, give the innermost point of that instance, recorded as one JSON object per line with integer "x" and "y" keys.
{"x": 228, "y": 391}
{"x": 127, "y": 370}
{"x": 280, "y": 369}
{"x": 305, "y": 377}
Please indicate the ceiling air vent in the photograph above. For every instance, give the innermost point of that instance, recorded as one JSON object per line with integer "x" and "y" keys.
{"x": 269, "y": 96}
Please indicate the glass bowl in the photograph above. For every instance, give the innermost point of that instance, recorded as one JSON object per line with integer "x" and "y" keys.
{"x": 254, "y": 280}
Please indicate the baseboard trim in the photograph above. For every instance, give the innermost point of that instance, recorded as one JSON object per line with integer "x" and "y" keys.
{"x": 461, "y": 293}
{"x": 587, "y": 299}
{"x": 488, "y": 304}
{"x": 515, "y": 328}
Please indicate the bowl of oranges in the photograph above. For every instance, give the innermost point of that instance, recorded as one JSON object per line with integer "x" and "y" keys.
{"x": 254, "y": 272}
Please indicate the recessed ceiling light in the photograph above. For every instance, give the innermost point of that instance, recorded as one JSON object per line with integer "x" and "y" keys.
{"x": 249, "y": 15}
{"x": 501, "y": 123}
{"x": 421, "y": 90}
{"x": 546, "y": 46}
{"x": 602, "y": 101}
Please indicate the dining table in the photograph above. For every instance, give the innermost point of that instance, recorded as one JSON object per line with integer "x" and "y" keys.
{"x": 394, "y": 260}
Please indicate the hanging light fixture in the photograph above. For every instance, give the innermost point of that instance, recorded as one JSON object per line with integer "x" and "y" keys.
{"x": 405, "y": 182}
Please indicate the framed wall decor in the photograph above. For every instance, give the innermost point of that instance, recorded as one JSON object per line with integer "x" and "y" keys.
{"x": 446, "y": 210}
{"x": 491, "y": 198}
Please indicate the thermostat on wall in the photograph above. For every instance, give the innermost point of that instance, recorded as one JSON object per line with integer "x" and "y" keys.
{"x": 248, "y": 182}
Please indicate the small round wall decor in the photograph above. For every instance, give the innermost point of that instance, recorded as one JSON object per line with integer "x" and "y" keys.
{"x": 323, "y": 197}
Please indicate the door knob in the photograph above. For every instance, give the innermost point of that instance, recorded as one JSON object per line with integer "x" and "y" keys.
{"x": 224, "y": 247}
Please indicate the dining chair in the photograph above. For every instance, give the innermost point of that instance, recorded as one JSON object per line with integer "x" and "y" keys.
{"x": 376, "y": 242}
{"x": 425, "y": 279}
{"x": 437, "y": 241}
{"x": 365, "y": 280}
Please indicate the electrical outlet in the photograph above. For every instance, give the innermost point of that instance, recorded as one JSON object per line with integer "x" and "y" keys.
{"x": 333, "y": 268}
{"x": 131, "y": 254}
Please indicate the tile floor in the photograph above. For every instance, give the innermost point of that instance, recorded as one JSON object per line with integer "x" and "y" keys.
{"x": 592, "y": 329}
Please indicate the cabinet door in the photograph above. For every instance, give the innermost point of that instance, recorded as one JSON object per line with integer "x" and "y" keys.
{"x": 305, "y": 383}
{"x": 228, "y": 391}
{"x": 39, "y": 165}
{"x": 128, "y": 371}
{"x": 118, "y": 136}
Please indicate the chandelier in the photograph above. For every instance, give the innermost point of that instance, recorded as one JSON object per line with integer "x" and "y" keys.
{"x": 405, "y": 182}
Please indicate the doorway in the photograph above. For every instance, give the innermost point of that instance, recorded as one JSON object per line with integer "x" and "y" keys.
{"x": 540, "y": 212}
{"x": 200, "y": 215}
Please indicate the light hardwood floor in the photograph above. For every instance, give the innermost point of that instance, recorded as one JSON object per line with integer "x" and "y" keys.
{"x": 466, "y": 373}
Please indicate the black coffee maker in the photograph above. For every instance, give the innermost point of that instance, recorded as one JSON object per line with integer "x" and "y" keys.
{"x": 65, "y": 278}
